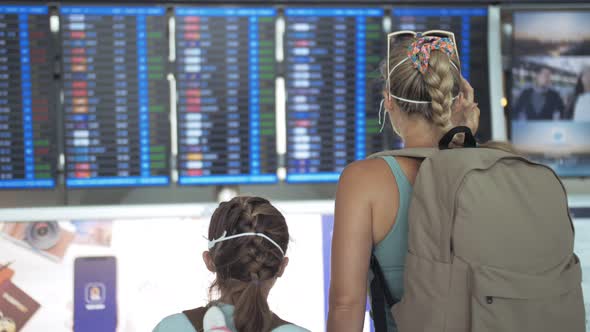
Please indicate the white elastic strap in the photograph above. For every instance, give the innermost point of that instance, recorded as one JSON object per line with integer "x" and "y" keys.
{"x": 409, "y": 100}
{"x": 223, "y": 237}
{"x": 381, "y": 110}
{"x": 399, "y": 64}
{"x": 404, "y": 99}
{"x": 407, "y": 58}
{"x": 415, "y": 101}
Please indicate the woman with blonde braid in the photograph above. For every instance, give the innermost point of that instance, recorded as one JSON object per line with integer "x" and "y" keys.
{"x": 425, "y": 96}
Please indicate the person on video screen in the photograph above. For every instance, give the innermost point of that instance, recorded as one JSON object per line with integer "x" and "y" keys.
{"x": 540, "y": 102}
{"x": 580, "y": 110}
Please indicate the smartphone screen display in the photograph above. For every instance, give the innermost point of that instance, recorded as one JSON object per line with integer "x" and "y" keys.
{"x": 95, "y": 294}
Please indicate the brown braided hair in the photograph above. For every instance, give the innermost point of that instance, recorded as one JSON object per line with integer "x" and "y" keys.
{"x": 247, "y": 266}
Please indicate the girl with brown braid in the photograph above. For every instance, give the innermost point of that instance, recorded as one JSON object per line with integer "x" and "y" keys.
{"x": 248, "y": 239}
{"x": 424, "y": 98}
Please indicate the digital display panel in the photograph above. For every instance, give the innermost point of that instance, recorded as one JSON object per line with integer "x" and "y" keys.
{"x": 550, "y": 88}
{"x": 116, "y": 96}
{"x": 28, "y": 153}
{"x": 332, "y": 58}
{"x": 225, "y": 71}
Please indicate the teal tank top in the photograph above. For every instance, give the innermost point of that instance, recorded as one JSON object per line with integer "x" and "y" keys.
{"x": 180, "y": 323}
{"x": 391, "y": 251}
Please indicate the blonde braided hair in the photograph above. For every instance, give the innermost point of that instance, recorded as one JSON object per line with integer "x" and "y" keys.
{"x": 438, "y": 85}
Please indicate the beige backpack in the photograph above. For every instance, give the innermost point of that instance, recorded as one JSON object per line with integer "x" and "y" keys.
{"x": 490, "y": 246}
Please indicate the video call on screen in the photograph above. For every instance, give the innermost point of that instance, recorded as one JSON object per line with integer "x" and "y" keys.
{"x": 550, "y": 89}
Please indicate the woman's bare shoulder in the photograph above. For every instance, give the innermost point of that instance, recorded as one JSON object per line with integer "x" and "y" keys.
{"x": 368, "y": 173}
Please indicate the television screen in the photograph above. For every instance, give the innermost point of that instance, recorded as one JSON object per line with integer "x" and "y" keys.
{"x": 550, "y": 97}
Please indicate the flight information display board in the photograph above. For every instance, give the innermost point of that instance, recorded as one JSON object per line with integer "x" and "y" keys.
{"x": 225, "y": 74}
{"x": 27, "y": 106}
{"x": 470, "y": 26}
{"x": 116, "y": 96}
{"x": 331, "y": 59}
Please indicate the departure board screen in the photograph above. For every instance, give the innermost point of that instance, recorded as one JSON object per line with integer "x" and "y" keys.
{"x": 27, "y": 106}
{"x": 331, "y": 58}
{"x": 470, "y": 26}
{"x": 116, "y": 96}
{"x": 225, "y": 74}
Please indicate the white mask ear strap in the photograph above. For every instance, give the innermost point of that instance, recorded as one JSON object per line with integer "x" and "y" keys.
{"x": 409, "y": 100}
{"x": 223, "y": 237}
{"x": 382, "y": 110}
{"x": 415, "y": 101}
{"x": 395, "y": 67}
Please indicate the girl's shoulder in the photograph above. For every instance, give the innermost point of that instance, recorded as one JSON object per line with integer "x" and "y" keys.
{"x": 290, "y": 328}
{"x": 284, "y": 326}
{"x": 180, "y": 323}
{"x": 175, "y": 323}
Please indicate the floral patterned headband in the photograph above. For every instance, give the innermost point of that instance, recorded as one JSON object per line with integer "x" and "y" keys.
{"x": 419, "y": 54}
{"x": 419, "y": 51}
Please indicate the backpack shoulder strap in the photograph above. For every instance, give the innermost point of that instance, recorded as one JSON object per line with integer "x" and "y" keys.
{"x": 420, "y": 153}
{"x": 381, "y": 297}
{"x": 380, "y": 278}
{"x": 195, "y": 316}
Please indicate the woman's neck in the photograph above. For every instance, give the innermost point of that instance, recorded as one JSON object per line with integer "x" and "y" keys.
{"x": 422, "y": 135}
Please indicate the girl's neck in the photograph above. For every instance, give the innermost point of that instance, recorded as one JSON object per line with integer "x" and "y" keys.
{"x": 231, "y": 298}
{"x": 226, "y": 299}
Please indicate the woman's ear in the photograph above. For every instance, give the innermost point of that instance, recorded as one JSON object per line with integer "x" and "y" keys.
{"x": 283, "y": 267}
{"x": 396, "y": 117}
{"x": 388, "y": 103}
{"x": 209, "y": 261}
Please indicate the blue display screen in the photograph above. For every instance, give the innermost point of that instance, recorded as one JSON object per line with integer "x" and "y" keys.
{"x": 332, "y": 58}
{"x": 225, "y": 71}
{"x": 27, "y": 111}
{"x": 116, "y": 96}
